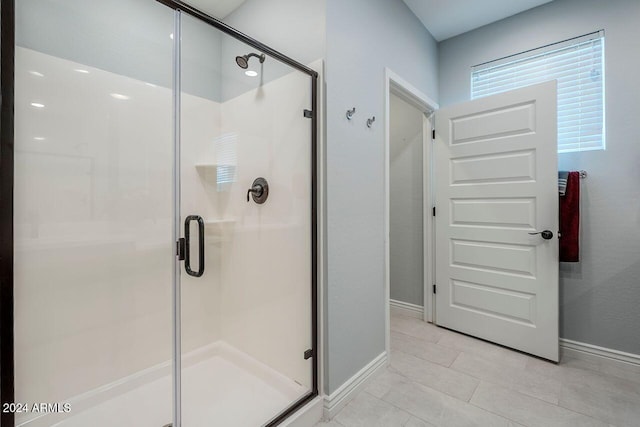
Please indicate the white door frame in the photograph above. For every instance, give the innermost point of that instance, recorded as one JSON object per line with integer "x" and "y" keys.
{"x": 402, "y": 88}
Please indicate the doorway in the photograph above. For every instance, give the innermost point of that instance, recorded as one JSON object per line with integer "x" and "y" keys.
{"x": 406, "y": 190}
{"x": 494, "y": 200}
{"x": 408, "y": 201}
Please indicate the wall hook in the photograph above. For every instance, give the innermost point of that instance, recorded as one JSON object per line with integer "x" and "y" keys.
{"x": 350, "y": 113}
{"x": 370, "y": 121}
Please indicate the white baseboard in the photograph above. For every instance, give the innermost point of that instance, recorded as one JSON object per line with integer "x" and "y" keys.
{"x": 406, "y": 309}
{"x": 347, "y": 391}
{"x": 594, "y": 353}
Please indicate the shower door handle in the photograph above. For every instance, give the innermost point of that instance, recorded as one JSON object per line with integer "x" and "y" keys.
{"x": 187, "y": 244}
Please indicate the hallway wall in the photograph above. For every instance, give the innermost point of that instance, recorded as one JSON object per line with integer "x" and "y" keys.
{"x": 406, "y": 241}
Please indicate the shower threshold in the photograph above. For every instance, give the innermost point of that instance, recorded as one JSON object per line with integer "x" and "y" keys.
{"x": 220, "y": 386}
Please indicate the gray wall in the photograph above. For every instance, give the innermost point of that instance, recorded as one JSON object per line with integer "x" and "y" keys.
{"x": 131, "y": 38}
{"x": 363, "y": 37}
{"x": 406, "y": 242}
{"x": 126, "y": 37}
{"x": 295, "y": 28}
{"x": 600, "y": 296}
{"x": 200, "y": 52}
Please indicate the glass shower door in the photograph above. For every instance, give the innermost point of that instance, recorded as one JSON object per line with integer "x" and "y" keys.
{"x": 245, "y": 149}
{"x": 94, "y": 248}
{"x": 139, "y": 128}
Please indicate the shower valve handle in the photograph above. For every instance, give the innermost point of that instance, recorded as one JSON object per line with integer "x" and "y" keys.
{"x": 257, "y": 189}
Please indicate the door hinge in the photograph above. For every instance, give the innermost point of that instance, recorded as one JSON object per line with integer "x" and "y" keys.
{"x": 434, "y": 211}
{"x": 308, "y": 114}
{"x": 434, "y": 288}
{"x": 308, "y": 354}
{"x": 181, "y": 246}
{"x": 433, "y": 134}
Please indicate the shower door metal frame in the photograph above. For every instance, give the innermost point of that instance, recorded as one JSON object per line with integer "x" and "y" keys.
{"x": 7, "y": 55}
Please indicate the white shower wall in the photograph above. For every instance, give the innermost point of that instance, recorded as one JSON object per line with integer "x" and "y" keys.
{"x": 94, "y": 247}
{"x": 260, "y": 255}
{"x": 199, "y": 125}
{"x": 266, "y": 265}
{"x": 93, "y": 244}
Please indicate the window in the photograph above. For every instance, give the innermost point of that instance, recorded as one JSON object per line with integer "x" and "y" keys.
{"x": 226, "y": 160}
{"x": 578, "y": 65}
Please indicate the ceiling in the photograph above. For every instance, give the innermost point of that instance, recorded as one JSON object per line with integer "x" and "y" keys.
{"x": 448, "y": 18}
{"x": 443, "y": 18}
{"x": 216, "y": 8}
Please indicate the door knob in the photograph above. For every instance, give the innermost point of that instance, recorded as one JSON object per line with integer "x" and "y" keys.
{"x": 546, "y": 234}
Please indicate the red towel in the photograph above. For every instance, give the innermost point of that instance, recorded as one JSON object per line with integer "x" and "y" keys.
{"x": 570, "y": 220}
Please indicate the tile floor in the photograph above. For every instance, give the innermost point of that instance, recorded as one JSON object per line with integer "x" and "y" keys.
{"x": 441, "y": 378}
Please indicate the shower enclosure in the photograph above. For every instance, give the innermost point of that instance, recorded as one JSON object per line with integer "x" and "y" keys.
{"x": 159, "y": 264}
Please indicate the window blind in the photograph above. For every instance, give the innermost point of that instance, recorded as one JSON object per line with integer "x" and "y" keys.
{"x": 577, "y": 65}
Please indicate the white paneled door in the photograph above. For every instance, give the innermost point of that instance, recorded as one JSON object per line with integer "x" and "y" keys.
{"x": 496, "y": 184}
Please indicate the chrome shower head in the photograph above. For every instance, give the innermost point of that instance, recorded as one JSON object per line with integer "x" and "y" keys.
{"x": 243, "y": 61}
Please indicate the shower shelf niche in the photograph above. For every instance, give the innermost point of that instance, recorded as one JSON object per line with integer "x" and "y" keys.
{"x": 206, "y": 166}
{"x": 220, "y": 174}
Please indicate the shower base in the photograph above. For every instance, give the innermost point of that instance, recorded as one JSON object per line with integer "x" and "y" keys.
{"x": 221, "y": 386}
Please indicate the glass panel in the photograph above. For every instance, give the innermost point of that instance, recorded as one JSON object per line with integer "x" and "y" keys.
{"x": 246, "y": 322}
{"x": 93, "y": 212}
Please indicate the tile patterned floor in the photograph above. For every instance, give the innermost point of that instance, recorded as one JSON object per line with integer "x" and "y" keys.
{"x": 441, "y": 378}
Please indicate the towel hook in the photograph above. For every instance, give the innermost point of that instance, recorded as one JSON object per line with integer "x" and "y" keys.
{"x": 350, "y": 113}
{"x": 583, "y": 174}
{"x": 370, "y": 121}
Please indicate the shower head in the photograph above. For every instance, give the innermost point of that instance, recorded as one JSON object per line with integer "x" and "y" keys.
{"x": 243, "y": 61}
